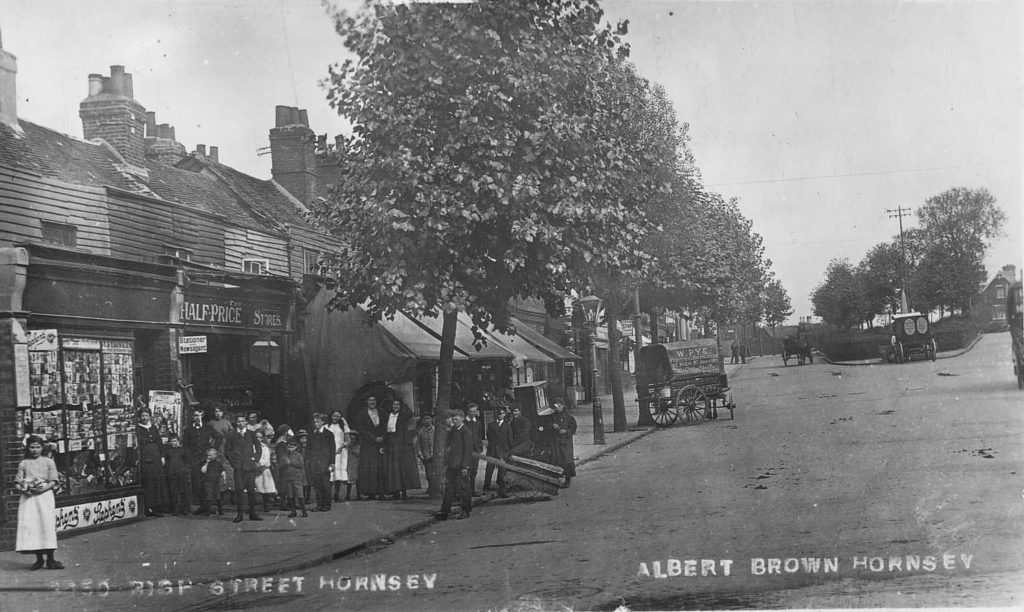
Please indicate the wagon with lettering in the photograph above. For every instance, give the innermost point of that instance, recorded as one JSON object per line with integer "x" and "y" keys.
{"x": 683, "y": 381}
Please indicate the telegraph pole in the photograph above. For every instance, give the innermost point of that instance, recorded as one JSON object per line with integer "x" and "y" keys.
{"x": 898, "y": 213}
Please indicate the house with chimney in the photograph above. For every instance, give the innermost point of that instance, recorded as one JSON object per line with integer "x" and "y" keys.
{"x": 991, "y": 302}
{"x": 136, "y": 273}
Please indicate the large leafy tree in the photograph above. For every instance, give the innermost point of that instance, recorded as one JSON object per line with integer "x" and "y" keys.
{"x": 777, "y": 305}
{"x": 958, "y": 224}
{"x": 482, "y": 166}
{"x": 880, "y": 278}
{"x": 837, "y": 298}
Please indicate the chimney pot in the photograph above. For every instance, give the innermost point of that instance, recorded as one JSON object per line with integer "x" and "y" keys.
{"x": 117, "y": 80}
{"x": 303, "y": 117}
{"x": 151, "y": 131}
{"x": 171, "y": 133}
{"x": 293, "y": 115}
{"x": 280, "y": 116}
{"x": 95, "y": 85}
{"x": 129, "y": 89}
{"x": 339, "y": 142}
{"x": 214, "y": 153}
{"x": 201, "y": 149}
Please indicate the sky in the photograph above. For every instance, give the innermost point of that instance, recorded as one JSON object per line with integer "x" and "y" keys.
{"x": 818, "y": 116}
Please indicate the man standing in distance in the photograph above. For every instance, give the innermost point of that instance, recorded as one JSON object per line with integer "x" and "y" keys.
{"x": 243, "y": 451}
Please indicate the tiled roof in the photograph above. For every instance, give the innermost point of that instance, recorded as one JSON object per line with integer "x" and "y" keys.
{"x": 198, "y": 191}
{"x": 263, "y": 197}
{"x": 62, "y": 157}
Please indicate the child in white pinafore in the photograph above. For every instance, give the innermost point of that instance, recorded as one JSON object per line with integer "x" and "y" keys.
{"x": 37, "y": 512}
{"x": 265, "y": 478}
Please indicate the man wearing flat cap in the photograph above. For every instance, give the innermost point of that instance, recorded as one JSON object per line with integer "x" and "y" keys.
{"x": 458, "y": 458}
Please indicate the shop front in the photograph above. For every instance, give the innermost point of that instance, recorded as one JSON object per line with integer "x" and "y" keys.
{"x": 234, "y": 334}
{"x": 84, "y": 334}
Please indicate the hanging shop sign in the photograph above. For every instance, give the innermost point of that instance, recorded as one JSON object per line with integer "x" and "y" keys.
{"x": 165, "y": 407}
{"x": 230, "y": 313}
{"x": 42, "y": 340}
{"x": 190, "y": 345}
{"x": 80, "y": 516}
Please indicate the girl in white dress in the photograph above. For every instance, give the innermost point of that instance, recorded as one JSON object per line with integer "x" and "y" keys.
{"x": 37, "y": 513}
{"x": 265, "y": 478}
{"x": 342, "y": 440}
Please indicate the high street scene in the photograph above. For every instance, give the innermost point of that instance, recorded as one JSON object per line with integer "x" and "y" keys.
{"x": 569, "y": 305}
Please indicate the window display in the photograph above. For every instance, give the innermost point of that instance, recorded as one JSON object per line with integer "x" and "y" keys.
{"x": 81, "y": 404}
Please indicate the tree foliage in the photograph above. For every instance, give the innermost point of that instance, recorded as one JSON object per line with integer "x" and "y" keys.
{"x": 837, "y": 299}
{"x": 777, "y": 305}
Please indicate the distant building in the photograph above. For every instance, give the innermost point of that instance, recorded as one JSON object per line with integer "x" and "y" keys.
{"x": 992, "y": 301}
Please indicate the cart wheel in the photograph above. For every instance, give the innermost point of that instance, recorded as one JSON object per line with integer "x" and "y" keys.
{"x": 691, "y": 404}
{"x": 520, "y": 492}
{"x": 664, "y": 413}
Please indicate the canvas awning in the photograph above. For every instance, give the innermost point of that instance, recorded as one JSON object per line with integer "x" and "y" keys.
{"x": 420, "y": 342}
{"x": 464, "y": 338}
{"x": 524, "y": 351}
{"x": 541, "y": 341}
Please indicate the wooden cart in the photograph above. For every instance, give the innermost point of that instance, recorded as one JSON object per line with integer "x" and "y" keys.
{"x": 683, "y": 381}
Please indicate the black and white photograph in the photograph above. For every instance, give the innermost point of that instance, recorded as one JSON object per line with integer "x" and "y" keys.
{"x": 511, "y": 305}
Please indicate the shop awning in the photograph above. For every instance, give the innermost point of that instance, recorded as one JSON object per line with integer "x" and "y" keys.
{"x": 524, "y": 351}
{"x": 420, "y": 342}
{"x": 541, "y": 341}
{"x": 464, "y": 338}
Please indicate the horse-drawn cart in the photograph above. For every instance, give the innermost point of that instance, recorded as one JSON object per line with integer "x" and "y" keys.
{"x": 798, "y": 347}
{"x": 683, "y": 380}
{"x": 912, "y": 337}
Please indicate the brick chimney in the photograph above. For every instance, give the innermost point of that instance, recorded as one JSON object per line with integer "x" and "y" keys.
{"x": 111, "y": 112}
{"x": 1010, "y": 272}
{"x": 293, "y": 153}
{"x": 160, "y": 143}
{"x": 8, "y": 91}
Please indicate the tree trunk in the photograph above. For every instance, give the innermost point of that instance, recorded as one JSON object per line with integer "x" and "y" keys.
{"x": 645, "y": 419}
{"x": 615, "y": 363}
{"x": 444, "y": 398}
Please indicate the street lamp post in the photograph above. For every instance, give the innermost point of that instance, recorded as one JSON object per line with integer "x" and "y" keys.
{"x": 591, "y": 307}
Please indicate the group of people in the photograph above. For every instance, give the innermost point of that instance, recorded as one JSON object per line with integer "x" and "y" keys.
{"x": 247, "y": 458}
{"x": 739, "y": 353}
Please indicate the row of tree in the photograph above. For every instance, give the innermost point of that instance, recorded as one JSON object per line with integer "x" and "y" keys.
{"x": 939, "y": 264}
{"x": 506, "y": 149}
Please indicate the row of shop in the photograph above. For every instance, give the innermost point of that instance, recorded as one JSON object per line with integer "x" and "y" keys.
{"x": 92, "y": 338}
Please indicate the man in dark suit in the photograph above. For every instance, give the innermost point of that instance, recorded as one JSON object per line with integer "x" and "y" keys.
{"x": 499, "y": 442}
{"x": 243, "y": 451}
{"x": 195, "y": 439}
{"x": 320, "y": 452}
{"x": 476, "y": 427}
{"x": 456, "y": 473}
{"x": 521, "y": 429}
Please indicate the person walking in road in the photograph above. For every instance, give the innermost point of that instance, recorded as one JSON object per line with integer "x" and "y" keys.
{"x": 499, "y": 444}
{"x": 36, "y": 480}
{"x": 476, "y": 427}
{"x": 320, "y": 455}
{"x": 424, "y": 449}
{"x": 735, "y": 353}
{"x": 370, "y": 425}
{"x": 243, "y": 452}
{"x": 342, "y": 439}
{"x": 458, "y": 456}
{"x": 151, "y": 463}
{"x": 562, "y": 452}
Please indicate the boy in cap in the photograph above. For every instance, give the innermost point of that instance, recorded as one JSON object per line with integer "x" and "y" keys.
{"x": 292, "y": 473}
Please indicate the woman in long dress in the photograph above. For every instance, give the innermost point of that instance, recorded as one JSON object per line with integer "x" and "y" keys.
{"x": 37, "y": 511}
{"x": 370, "y": 425}
{"x": 342, "y": 438}
{"x": 398, "y": 456}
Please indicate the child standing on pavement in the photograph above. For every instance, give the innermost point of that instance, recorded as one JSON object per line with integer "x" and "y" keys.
{"x": 176, "y": 467}
{"x": 210, "y": 473}
{"x": 37, "y": 511}
{"x": 291, "y": 469}
{"x": 265, "y": 478}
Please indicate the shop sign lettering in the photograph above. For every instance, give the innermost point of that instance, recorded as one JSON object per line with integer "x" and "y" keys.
{"x": 188, "y": 345}
{"x": 96, "y": 513}
{"x": 230, "y": 313}
{"x": 42, "y": 340}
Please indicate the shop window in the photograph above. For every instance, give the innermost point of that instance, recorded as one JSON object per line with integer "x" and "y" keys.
{"x": 256, "y": 266}
{"x": 265, "y": 355}
{"x": 81, "y": 393}
{"x": 59, "y": 233}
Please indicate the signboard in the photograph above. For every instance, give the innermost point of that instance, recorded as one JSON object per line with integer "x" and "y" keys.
{"x": 81, "y": 344}
{"x": 166, "y": 409}
{"x": 42, "y": 340}
{"x": 91, "y": 514}
{"x": 188, "y": 345}
{"x": 230, "y": 313}
{"x": 21, "y": 376}
{"x": 694, "y": 357}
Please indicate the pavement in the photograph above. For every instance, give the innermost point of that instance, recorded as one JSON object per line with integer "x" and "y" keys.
{"x": 174, "y": 551}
